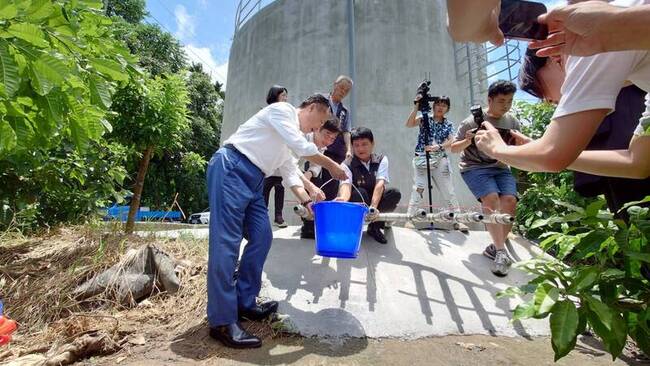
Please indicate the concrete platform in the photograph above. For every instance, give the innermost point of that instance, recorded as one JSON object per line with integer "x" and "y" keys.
{"x": 420, "y": 284}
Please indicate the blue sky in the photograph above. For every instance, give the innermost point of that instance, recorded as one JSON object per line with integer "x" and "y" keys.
{"x": 205, "y": 29}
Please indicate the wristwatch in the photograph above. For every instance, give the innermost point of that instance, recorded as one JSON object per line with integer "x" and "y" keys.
{"x": 304, "y": 204}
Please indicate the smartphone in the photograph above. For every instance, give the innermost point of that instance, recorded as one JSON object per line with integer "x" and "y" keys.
{"x": 518, "y": 20}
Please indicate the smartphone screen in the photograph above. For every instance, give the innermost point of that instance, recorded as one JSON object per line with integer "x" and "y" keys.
{"x": 518, "y": 20}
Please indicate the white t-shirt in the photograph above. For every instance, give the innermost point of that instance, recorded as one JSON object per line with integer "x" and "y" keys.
{"x": 382, "y": 171}
{"x": 269, "y": 137}
{"x": 594, "y": 82}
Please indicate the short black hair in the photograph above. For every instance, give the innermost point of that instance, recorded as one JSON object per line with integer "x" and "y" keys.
{"x": 362, "y": 133}
{"x": 444, "y": 100}
{"x": 528, "y": 80}
{"x": 332, "y": 125}
{"x": 315, "y": 99}
{"x": 274, "y": 93}
{"x": 503, "y": 87}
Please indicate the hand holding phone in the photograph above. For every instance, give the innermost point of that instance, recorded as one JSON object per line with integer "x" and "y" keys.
{"x": 518, "y": 20}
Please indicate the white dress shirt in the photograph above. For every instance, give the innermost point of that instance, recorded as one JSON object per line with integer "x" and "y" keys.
{"x": 269, "y": 137}
{"x": 382, "y": 171}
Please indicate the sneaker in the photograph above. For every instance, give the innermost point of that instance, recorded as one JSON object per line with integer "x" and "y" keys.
{"x": 279, "y": 222}
{"x": 501, "y": 264}
{"x": 490, "y": 251}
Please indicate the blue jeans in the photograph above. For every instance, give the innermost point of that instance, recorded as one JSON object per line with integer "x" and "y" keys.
{"x": 235, "y": 195}
{"x": 483, "y": 181}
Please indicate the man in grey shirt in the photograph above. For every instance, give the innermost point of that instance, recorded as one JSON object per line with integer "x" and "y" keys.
{"x": 490, "y": 180}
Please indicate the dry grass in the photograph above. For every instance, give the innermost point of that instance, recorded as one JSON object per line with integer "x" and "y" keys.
{"x": 39, "y": 274}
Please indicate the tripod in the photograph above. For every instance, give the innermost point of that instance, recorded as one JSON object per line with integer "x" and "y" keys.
{"x": 425, "y": 109}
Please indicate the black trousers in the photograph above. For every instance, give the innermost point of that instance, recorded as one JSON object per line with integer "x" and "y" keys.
{"x": 388, "y": 203}
{"x": 274, "y": 182}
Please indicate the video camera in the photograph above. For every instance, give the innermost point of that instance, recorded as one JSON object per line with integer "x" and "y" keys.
{"x": 426, "y": 99}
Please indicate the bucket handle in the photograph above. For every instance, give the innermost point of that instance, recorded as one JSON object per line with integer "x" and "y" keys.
{"x": 355, "y": 187}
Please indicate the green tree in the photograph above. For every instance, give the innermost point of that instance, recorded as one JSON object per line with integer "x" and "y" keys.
{"x": 152, "y": 119}
{"x": 183, "y": 170}
{"x": 159, "y": 52}
{"x": 59, "y": 65}
{"x": 132, "y": 11}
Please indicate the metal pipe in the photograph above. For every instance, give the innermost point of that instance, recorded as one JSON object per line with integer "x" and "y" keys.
{"x": 422, "y": 216}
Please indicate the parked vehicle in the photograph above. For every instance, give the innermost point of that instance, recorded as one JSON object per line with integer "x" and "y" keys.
{"x": 199, "y": 218}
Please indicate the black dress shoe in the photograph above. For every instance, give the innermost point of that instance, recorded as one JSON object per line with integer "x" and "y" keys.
{"x": 377, "y": 235}
{"x": 234, "y": 336}
{"x": 259, "y": 312}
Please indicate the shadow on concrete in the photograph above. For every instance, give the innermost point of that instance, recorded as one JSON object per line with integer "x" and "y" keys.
{"x": 305, "y": 271}
{"x": 196, "y": 344}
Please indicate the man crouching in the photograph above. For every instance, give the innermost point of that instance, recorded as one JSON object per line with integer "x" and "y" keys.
{"x": 369, "y": 173}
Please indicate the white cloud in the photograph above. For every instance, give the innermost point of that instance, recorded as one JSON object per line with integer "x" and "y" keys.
{"x": 184, "y": 24}
{"x": 203, "y": 55}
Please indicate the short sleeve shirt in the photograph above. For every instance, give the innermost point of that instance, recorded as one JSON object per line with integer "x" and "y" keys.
{"x": 472, "y": 158}
{"x": 439, "y": 132}
{"x": 594, "y": 82}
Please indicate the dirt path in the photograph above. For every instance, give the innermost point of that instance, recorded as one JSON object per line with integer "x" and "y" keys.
{"x": 199, "y": 349}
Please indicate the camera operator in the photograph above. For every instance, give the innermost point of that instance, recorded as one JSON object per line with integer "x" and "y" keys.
{"x": 491, "y": 181}
{"x": 440, "y": 138}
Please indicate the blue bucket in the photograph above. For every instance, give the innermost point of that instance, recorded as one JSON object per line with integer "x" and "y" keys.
{"x": 338, "y": 228}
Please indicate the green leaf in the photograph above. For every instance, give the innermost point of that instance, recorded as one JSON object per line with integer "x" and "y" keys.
{"x": 29, "y": 33}
{"x": 54, "y": 106}
{"x": 635, "y": 203}
{"x": 79, "y": 134}
{"x": 51, "y": 68}
{"x": 46, "y": 73}
{"x": 608, "y": 324}
{"x": 643, "y": 257}
{"x": 109, "y": 68}
{"x": 584, "y": 280}
{"x": 8, "y": 10}
{"x": 40, "y": 9}
{"x": 524, "y": 311}
{"x": 564, "y": 328}
{"x": 590, "y": 244}
{"x": 544, "y": 299}
{"x": 8, "y": 70}
{"x": 594, "y": 207}
{"x": 7, "y": 137}
{"x": 100, "y": 92}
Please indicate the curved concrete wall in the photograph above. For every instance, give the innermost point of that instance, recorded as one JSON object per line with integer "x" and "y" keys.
{"x": 303, "y": 45}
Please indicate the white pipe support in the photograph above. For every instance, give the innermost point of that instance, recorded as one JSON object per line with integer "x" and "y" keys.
{"x": 503, "y": 219}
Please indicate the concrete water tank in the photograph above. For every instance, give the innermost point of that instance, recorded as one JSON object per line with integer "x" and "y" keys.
{"x": 305, "y": 44}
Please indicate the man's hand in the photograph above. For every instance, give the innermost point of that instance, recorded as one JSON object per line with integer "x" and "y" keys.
{"x": 581, "y": 29}
{"x": 340, "y": 199}
{"x": 316, "y": 194}
{"x": 372, "y": 215}
{"x": 337, "y": 172}
{"x": 489, "y": 140}
{"x": 520, "y": 138}
{"x": 469, "y": 134}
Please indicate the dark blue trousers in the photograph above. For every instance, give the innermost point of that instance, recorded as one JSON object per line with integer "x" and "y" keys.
{"x": 235, "y": 194}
